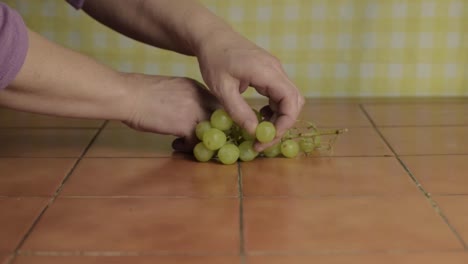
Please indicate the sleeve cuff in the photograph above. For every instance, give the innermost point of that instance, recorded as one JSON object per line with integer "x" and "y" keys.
{"x": 14, "y": 43}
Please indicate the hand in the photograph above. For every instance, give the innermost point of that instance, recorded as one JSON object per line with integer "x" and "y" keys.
{"x": 230, "y": 64}
{"x": 169, "y": 105}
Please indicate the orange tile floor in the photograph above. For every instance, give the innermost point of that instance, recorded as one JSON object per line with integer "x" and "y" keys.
{"x": 395, "y": 191}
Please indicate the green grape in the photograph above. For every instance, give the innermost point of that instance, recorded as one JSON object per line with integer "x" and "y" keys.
{"x": 289, "y": 148}
{"x": 214, "y": 139}
{"x": 201, "y": 128}
{"x": 247, "y": 152}
{"x": 265, "y": 132}
{"x": 202, "y": 153}
{"x": 228, "y": 154}
{"x": 246, "y": 135}
{"x": 307, "y": 145}
{"x": 273, "y": 151}
{"x": 221, "y": 120}
{"x": 317, "y": 140}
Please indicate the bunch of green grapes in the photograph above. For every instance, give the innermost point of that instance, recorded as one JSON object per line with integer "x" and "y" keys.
{"x": 222, "y": 139}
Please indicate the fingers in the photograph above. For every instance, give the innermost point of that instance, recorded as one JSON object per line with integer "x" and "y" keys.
{"x": 287, "y": 113}
{"x": 235, "y": 105}
{"x": 285, "y": 102}
{"x": 187, "y": 138}
{"x": 285, "y": 99}
{"x": 259, "y": 147}
{"x": 205, "y": 97}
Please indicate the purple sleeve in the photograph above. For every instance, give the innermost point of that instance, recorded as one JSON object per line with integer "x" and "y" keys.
{"x": 13, "y": 44}
{"x": 78, "y": 4}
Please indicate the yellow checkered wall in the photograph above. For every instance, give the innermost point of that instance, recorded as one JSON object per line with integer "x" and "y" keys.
{"x": 329, "y": 47}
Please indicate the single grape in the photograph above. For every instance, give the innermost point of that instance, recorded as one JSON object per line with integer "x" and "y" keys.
{"x": 201, "y": 128}
{"x": 307, "y": 145}
{"x": 246, "y": 135}
{"x": 265, "y": 132}
{"x": 221, "y": 120}
{"x": 272, "y": 151}
{"x": 202, "y": 153}
{"x": 317, "y": 140}
{"x": 214, "y": 139}
{"x": 228, "y": 154}
{"x": 247, "y": 152}
{"x": 289, "y": 148}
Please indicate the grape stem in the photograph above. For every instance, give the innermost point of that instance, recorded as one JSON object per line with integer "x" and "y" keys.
{"x": 325, "y": 132}
{"x": 317, "y": 133}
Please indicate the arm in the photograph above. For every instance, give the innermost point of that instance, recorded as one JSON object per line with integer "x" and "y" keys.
{"x": 57, "y": 81}
{"x": 41, "y": 77}
{"x": 180, "y": 25}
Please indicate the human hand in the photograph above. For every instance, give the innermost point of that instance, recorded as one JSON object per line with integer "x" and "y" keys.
{"x": 169, "y": 105}
{"x": 229, "y": 64}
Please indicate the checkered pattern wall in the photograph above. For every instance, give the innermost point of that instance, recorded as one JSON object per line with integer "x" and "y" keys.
{"x": 328, "y": 47}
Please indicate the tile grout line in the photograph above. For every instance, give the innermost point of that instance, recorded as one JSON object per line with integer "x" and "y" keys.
{"x": 167, "y": 157}
{"x": 225, "y": 254}
{"x": 428, "y": 196}
{"x": 57, "y": 192}
{"x": 123, "y": 253}
{"x": 241, "y": 216}
{"x": 49, "y": 128}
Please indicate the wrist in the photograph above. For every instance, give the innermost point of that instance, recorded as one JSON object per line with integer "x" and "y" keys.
{"x": 203, "y": 27}
{"x": 126, "y": 97}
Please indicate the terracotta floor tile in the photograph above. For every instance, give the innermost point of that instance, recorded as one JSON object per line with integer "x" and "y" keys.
{"x": 417, "y": 114}
{"x": 151, "y": 177}
{"x": 346, "y": 224}
{"x": 44, "y": 142}
{"x": 128, "y": 260}
{"x": 444, "y": 174}
{"x": 359, "y": 141}
{"x": 11, "y": 118}
{"x": 454, "y": 207}
{"x": 16, "y": 217}
{"x": 4, "y": 258}
{"x": 335, "y": 115}
{"x": 125, "y": 142}
{"x": 388, "y": 100}
{"x": 32, "y": 176}
{"x": 427, "y": 140}
{"x": 419, "y": 258}
{"x": 139, "y": 225}
{"x": 326, "y": 176}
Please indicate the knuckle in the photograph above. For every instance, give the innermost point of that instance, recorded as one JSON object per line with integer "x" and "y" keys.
{"x": 268, "y": 64}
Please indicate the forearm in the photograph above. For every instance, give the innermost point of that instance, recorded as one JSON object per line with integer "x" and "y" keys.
{"x": 57, "y": 81}
{"x": 178, "y": 25}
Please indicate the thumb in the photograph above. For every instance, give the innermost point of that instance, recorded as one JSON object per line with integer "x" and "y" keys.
{"x": 237, "y": 108}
